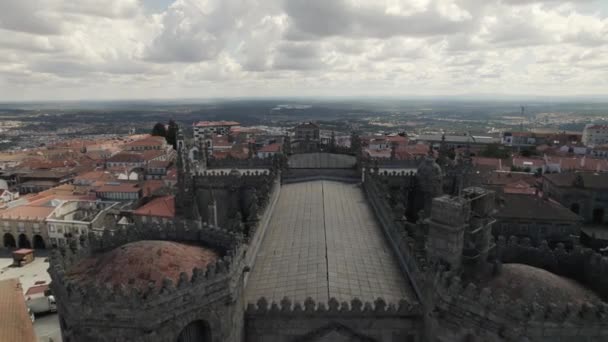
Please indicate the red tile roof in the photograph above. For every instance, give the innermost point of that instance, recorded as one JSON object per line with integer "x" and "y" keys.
{"x": 27, "y": 212}
{"x": 126, "y": 157}
{"x": 150, "y": 141}
{"x": 276, "y": 147}
{"x": 119, "y": 187}
{"x": 158, "y": 207}
{"x": 15, "y": 323}
{"x": 34, "y": 290}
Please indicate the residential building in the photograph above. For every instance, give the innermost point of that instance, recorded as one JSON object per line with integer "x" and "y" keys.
{"x": 159, "y": 209}
{"x": 308, "y": 131}
{"x": 146, "y": 144}
{"x": 585, "y": 193}
{"x": 73, "y": 220}
{"x": 595, "y": 135}
{"x": 116, "y": 191}
{"x": 600, "y": 151}
{"x": 40, "y": 180}
{"x": 539, "y": 219}
{"x": 7, "y": 196}
{"x": 458, "y": 141}
{"x": 205, "y": 128}
{"x": 25, "y": 226}
{"x": 157, "y": 169}
{"x": 126, "y": 160}
{"x": 270, "y": 150}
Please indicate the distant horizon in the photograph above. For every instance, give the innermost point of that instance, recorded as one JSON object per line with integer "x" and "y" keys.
{"x": 321, "y": 98}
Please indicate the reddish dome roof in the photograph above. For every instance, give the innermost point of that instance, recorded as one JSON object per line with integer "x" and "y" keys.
{"x": 531, "y": 283}
{"x": 142, "y": 262}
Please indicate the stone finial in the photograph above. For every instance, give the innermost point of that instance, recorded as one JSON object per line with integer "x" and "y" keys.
{"x": 309, "y": 305}
{"x": 167, "y": 286}
{"x": 262, "y": 304}
{"x": 404, "y": 306}
{"x": 333, "y": 305}
{"x": 285, "y": 304}
{"x": 380, "y": 305}
{"x": 356, "y": 305}
{"x": 183, "y": 281}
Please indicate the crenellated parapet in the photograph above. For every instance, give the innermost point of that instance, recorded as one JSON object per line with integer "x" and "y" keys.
{"x": 494, "y": 311}
{"x": 218, "y": 282}
{"x": 179, "y": 230}
{"x": 287, "y": 308}
{"x": 582, "y": 264}
{"x": 412, "y": 259}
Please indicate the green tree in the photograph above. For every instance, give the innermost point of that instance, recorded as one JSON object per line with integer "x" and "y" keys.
{"x": 494, "y": 151}
{"x": 172, "y": 134}
{"x": 159, "y": 130}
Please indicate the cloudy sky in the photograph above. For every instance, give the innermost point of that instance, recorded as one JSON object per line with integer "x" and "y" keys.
{"x": 120, "y": 49}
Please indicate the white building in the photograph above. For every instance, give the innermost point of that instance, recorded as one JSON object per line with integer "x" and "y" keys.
{"x": 206, "y": 128}
{"x": 595, "y": 135}
{"x": 75, "y": 219}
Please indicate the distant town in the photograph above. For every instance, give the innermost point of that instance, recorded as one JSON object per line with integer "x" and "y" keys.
{"x": 81, "y": 183}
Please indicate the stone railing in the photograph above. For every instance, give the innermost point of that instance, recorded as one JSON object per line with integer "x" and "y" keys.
{"x": 309, "y": 307}
{"x": 257, "y": 235}
{"x": 582, "y": 264}
{"x": 411, "y": 263}
{"x": 513, "y": 319}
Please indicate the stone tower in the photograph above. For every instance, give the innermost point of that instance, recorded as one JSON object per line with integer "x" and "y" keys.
{"x": 430, "y": 181}
{"x": 446, "y": 225}
{"x": 185, "y": 199}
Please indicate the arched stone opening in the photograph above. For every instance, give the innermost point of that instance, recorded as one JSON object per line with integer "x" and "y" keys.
{"x": 575, "y": 208}
{"x": 24, "y": 242}
{"x": 39, "y": 242}
{"x": 9, "y": 241}
{"x": 197, "y": 331}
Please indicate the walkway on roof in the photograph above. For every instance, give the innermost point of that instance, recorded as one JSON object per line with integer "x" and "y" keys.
{"x": 320, "y": 160}
{"x": 323, "y": 241}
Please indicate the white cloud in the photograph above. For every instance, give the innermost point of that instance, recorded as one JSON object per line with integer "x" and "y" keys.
{"x": 119, "y": 48}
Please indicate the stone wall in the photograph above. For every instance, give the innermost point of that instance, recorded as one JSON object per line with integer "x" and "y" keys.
{"x": 333, "y": 321}
{"x": 394, "y": 230}
{"x": 496, "y": 317}
{"x": 158, "y": 313}
{"x": 257, "y": 236}
{"x": 582, "y": 264}
{"x": 308, "y": 175}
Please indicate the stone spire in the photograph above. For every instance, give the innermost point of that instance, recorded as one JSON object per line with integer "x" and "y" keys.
{"x": 430, "y": 180}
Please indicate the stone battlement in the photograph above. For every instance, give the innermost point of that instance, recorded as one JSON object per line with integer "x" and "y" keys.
{"x": 333, "y": 307}
{"x": 513, "y": 318}
{"x": 219, "y": 271}
{"x": 582, "y": 264}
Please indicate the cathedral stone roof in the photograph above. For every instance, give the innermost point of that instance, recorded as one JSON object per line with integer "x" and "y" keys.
{"x": 535, "y": 284}
{"x": 141, "y": 263}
